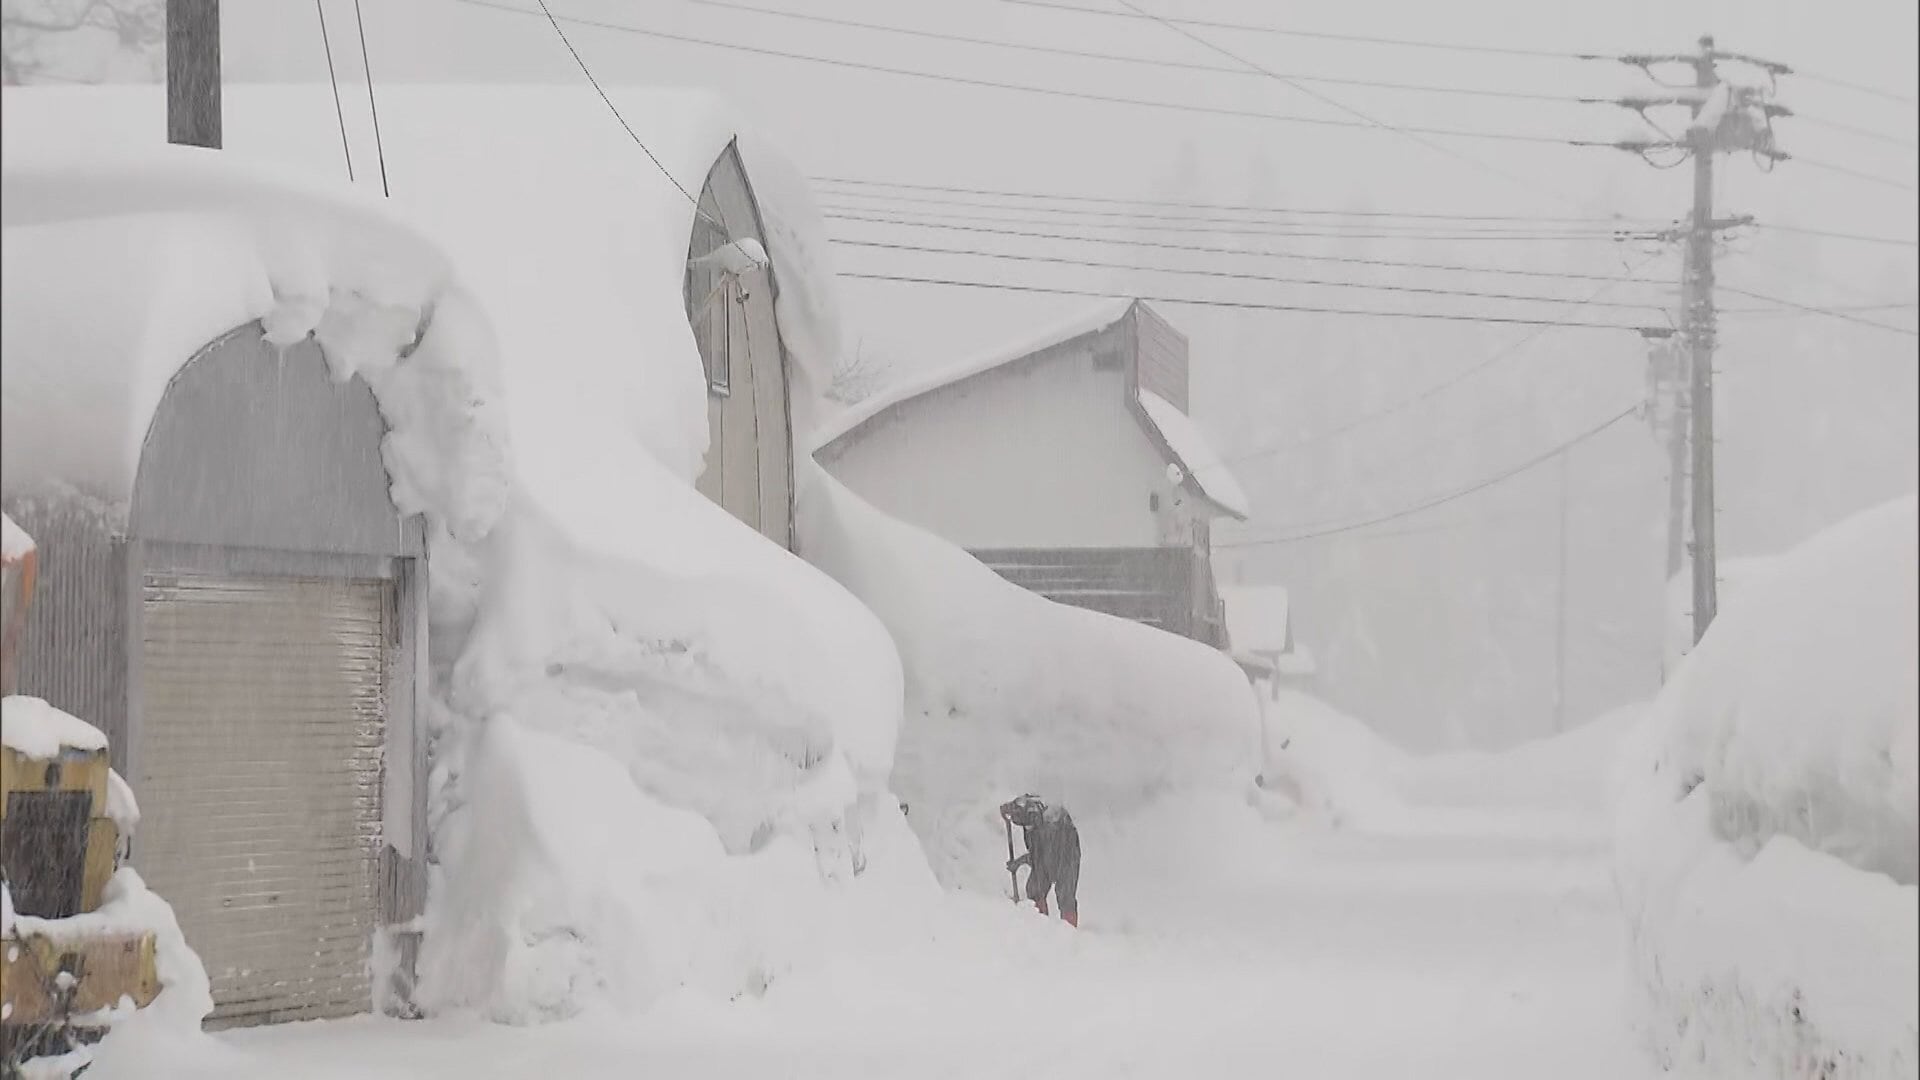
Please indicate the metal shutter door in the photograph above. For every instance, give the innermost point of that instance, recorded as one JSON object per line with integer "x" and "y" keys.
{"x": 259, "y": 779}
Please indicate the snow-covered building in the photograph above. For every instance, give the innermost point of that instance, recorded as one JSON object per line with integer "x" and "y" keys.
{"x": 730, "y": 302}
{"x": 1260, "y": 637}
{"x": 371, "y": 527}
{"x": 1065, "y": 461}
{"x": 230, "y": 589}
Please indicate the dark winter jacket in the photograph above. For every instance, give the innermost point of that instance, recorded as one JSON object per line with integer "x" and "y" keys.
{"x": 1053, "y": 851}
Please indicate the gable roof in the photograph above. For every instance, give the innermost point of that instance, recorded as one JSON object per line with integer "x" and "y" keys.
{"x": 1173, "y": 433}
{"x": 1184, "y": 445}
{"x": 1091, "y": 320}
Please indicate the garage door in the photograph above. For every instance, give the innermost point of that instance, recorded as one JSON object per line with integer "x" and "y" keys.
{"x": 258, "y": 771}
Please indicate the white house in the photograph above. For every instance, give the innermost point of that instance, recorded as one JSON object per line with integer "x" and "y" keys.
{"x": 1065, "y": 461}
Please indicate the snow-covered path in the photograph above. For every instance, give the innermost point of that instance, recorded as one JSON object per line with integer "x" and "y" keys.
{"x": 1459, "y": 944}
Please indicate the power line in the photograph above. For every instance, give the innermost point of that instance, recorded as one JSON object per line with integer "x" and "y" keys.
{"x": 1324, "y": 99}
{"x": 1854, "y": 86}
{"x": 1890, "y": 305}
{"x": 1052, "y": 196}
{"x": 1462, "y": 234}
{"x": 1852, "y": 129}
{"x": 1834, "y": 235}
{"x": 1387, "y": 219}
{"x": 1318, "y": 35}
{"x": 1788, "y": 312}
{"x": 1214, "y": 249}
{"x": 694, "y": 201}
{"x": 1802, "y": 269}
{"x": 1857, "y": 174}
{"x": 611, "y": 107}
{"x": 1077, "y": 95}
{"x": 1429, "y": 393}
{"x": 1429, "y": 504}
{"x": 1230, "y": 275}
{"x": 339, "y": 113}
{"x": 1477, "y": 521}
{"x": 378, "y": 146}
{"x": 1245, "y": 305}
{"x": 1122, "y": 58}
{"x": 1832, "y": 313}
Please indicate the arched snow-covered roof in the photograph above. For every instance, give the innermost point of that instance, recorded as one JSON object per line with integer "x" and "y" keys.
{"x": 119, "y": 267}
{"x": 563, "y": 229}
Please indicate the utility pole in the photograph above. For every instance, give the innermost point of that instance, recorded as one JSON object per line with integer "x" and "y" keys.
{"x": 1560, "y": 607}
{"x": 1677, "y": 470}
{"x": 1724, "y": 117}
{"x": 193, "y": 72}
{"x": 1699, "y": 323}
{"x": 1677, "y": 427}
{"x": 1666, "y": 414}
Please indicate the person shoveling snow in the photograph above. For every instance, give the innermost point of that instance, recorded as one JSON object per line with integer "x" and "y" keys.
{"x": 1053, "y": 854}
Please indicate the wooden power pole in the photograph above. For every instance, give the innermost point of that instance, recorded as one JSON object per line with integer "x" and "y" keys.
{"x": 1703, "y": 140}
{"x": 1677, "y": 427}
{"x": 1725, "y": 118}
{"x": 193, "y": 72}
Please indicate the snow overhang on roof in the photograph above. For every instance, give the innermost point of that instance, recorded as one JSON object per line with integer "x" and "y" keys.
{"x": 120, "y": 265}
{"x": 1092, "y": 320}
{"x": 1201, "y": 468}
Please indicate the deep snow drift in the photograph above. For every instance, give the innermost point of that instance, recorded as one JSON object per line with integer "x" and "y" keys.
{"x": 1567, "y": 774}
{"x": 1449, "y": 944}
{"x": 607, "y": 644}
{"x": 1767, "y": 840}
{"x": 1325, "y": 764}
{"x": 1008, "y": 692}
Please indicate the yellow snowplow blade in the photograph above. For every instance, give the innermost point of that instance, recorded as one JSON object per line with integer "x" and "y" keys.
{"x": 105, "y": 968}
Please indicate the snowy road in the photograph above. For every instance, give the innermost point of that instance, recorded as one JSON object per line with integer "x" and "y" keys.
{"x": 1467, "y": 944}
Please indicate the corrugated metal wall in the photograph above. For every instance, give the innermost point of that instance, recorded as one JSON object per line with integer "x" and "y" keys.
{"x": 264, "y": 735}
{"x": 1162, "y": 360}
{"x": 1168, "y": 588}
{"x": 258, "y": 446}
{"x": 75, "y": 653}
{"x": 1146, "y": 585}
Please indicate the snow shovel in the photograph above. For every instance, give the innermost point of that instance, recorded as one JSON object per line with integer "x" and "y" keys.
{"x": 1012, "y": 871}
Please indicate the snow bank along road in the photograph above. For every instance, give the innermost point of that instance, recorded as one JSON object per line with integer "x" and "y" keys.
{"x": 1456, "y": 943}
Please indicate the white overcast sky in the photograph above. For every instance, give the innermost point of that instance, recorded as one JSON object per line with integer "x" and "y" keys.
{"x": 1818, "y": 418}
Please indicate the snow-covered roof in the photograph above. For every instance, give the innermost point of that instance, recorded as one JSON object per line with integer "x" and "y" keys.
{"x": 1194, "y": 454}
{"x": 120, "y": 264}
{"x": 1258, "y": 620}
{"x": 1090, "y": 320}
{"x": 1178, "y": 438}
{"x": 38, "y": 730}
{"x": 564, "y": 230}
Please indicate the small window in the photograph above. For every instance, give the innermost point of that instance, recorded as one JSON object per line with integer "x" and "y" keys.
{"x": 719, "y": 353}
{"x": 709, "y": 309}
